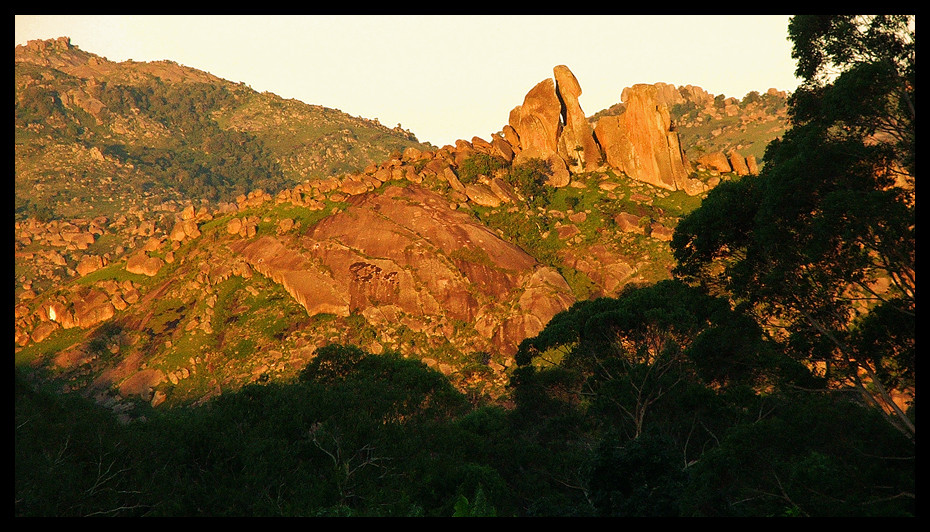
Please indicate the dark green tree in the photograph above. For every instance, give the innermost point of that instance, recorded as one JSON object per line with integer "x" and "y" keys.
{"x": 480, "y": 164}
{"x": 821, "y": 245}
{"x": 71, "y": 458}
{"x": 639, "y": 478}
{"x": 649, "y": 382}
{"x": 810, "y": 455}
{"x": 529, "y": 179}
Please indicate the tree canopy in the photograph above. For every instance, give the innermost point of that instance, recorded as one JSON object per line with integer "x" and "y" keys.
{"x": 821, "y": 244}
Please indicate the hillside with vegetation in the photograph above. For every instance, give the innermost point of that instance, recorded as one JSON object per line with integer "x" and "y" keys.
{"x": 232, "y": 304}
{"x": 136, "y": 134}
{"x": 708, "y": 123}
{"x": 450, "y": 255}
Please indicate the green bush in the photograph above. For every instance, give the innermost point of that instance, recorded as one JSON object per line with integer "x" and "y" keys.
{"x": 479, "y": 164}
{"x": 529, "y": 178}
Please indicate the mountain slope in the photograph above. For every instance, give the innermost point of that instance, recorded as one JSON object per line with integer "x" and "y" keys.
{"x": 207, "y": 280}
{"x": 135, "y": 133}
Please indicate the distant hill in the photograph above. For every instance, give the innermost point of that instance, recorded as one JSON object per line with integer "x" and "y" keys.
{"x": 134, "y": 132}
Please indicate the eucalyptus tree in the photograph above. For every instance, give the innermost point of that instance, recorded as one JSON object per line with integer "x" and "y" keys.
{"x": 821, "y": 244}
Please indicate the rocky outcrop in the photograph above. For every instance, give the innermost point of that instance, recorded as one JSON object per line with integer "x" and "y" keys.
{"x": 399, "y": 244}
{"x": 738, "y": 162}
{"x": 86, "y": 307}
{"x": 719, "y": 162}
{"x": 607, "y": 268}
{"x": 142, "y": 383}
{"x": 641, "y": 143}
{"x": 302, "y": 279}
{"x": 89, "y": 263}
{"x": 404, "y": 256}
{"x": 629, "y": 223}
{"x": 482, "y": 195}
{"x": 91, "y": 308}
{"x": 184, "y": 229}
{"x": 576, "y": 143}
{"x": 716, "y": 161}
{"x": 537, "y": 122}
{"x": 752, "y": 165}
{"x": 661, "y": 232}
{"x": 144, "y": 264}
{"x": 550, "y": 123}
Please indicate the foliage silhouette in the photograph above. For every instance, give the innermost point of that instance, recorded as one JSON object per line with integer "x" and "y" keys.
{"x": 825, "y": 235}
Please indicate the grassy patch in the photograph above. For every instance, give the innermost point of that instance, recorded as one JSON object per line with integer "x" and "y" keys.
{"x": 553, "y": 356}
{"x": 115, "y": 271}
{"x": 59, "y": 340}
{"x": 242, "y": 349}
{"x": 582, "y": 286}
{"x": 358, "y": 331}
{"x": 678, "y": 203}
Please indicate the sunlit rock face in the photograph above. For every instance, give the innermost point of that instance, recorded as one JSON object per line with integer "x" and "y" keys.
{"x": 550, "y": 123}
{"x": 576, "y": 141}
{"x": 640, "y": 141}
{"x": 406, "y": 256}
{"x": 537, "y": 122}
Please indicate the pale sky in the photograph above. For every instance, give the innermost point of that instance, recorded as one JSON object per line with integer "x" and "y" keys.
{"x": 443, "y": 77}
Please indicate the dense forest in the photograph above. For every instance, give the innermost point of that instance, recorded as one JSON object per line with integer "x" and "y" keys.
{"x": 378, "y": 435}
{"x": 773, "y": 376}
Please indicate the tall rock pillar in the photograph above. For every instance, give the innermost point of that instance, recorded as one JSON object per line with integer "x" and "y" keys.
{"x": 537, "y": 122}
{"x": 576, "y": 143}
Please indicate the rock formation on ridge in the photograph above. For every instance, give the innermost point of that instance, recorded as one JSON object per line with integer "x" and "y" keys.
{"x": 640, "y": 142}
{"x": 537, "y": 122}
{"x": 576, "y": 145}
